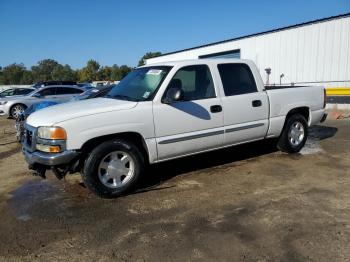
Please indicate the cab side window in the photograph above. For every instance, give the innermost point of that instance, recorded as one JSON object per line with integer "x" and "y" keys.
{"x": 196, "y": 82}
{"x": 237, "y": 79}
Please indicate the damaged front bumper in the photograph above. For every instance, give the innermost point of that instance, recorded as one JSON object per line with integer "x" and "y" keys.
{"x": 60, "y": 163}
{"x": 49, "y": 159}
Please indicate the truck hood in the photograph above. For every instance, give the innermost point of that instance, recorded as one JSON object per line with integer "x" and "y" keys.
{"x": 63, "y": 112}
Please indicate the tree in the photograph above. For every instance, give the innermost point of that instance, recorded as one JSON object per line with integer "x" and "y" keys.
{"x": 105, "y": 73}
{"x": 27, "y": 78}
{"x": 43, "y": 71}
{"x": 147, "y": 56}
{"x": 115, "y": 73}
{"x": 12, "y": 74}
{"x": 63, "y": 73}
{"x": 124, "y": 70}
{"x": 1, "y": 76}
{"x": 89, "y": 72}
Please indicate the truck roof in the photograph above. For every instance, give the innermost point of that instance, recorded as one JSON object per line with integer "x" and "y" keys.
{"x": 200, "y": 61}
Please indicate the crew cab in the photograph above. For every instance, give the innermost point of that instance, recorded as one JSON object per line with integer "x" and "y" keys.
{"x": 164, "y": 111}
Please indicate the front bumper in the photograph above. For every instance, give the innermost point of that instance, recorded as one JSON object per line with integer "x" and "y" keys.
{"x": 324, "y": 117}
{"x": 49, "y": 159}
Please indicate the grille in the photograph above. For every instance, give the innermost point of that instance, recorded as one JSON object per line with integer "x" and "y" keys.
{"x": 29, "y": 138}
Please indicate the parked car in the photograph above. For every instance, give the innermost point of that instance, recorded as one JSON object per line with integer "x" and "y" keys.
{"x": 13, "y": 106}
{"x": 16, "y": 92}
{"x": 94, "y": 92}
{"x": 54, "y": 83}
{"x": 20, "y": 120}
{"x": 165, "y": 111}
{"x": 88, "y": 94}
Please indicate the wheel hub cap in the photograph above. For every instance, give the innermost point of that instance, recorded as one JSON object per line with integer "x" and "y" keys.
{"x": 116, "y": 169}
{"x": 296, "y": 133}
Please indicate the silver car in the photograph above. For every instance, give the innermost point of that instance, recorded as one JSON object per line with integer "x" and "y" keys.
{"x": 14, "y": 106}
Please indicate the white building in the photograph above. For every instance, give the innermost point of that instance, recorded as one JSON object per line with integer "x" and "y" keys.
{"x": 312, "y": 53}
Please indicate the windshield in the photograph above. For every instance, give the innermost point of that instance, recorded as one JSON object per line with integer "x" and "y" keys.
{"x": 141, "y": 84}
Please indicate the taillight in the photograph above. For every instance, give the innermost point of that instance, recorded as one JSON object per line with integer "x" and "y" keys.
{"x": 324, "y": 98}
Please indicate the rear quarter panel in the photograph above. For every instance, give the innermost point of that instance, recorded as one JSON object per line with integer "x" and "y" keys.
{"x": 282, "y": 101}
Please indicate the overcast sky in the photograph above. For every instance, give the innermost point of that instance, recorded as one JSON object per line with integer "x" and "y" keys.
{"x": 120, "y": 32}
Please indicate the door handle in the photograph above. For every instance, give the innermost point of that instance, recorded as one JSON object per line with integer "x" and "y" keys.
{"x": 215, "y": 109}
{"x": 256, "y": 103}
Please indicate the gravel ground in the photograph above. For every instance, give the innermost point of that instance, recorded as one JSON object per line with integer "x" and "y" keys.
{"x": 246, "y": 203}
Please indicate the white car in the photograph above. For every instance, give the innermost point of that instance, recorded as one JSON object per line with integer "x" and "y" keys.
{"x": 165, "y": 111}
{"x": 13, "y": 106}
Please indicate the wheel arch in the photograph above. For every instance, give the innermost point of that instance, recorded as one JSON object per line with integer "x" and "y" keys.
{"x": 304, "y": 111}
{"x": 134, "y": 137}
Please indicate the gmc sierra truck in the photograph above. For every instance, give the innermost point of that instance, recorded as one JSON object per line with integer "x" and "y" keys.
{"x": 164, "y": 111}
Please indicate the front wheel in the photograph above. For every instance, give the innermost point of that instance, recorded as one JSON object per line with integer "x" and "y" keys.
{"x": 113, "y": 168}
{"x": 294, "y": 134}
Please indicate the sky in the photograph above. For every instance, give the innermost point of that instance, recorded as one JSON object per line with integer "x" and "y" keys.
{"x": 121, "y": 32}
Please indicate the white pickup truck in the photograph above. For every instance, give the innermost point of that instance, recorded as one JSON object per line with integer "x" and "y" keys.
{"x": 165, "y": 111}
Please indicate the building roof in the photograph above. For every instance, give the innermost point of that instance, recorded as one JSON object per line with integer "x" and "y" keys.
{"x": 263, "y": 33}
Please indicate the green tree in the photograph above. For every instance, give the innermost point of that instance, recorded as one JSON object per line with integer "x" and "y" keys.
{"x": 89, "y": 72}
{"x": 27, "y": 78}
{"x": 12, "y": 74}
{"x": 147, "y": 56}
{"x": 63, "y": 73}
{"x": 124, "y": 70}
{"x": 1, "y": 76}
{"x": 115, "y": 73}
{"x": 105, "y": 73}
{"x": 43, "y": 71}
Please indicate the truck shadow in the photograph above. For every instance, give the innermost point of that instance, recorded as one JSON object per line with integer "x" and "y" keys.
{"x": 159, "y": 173}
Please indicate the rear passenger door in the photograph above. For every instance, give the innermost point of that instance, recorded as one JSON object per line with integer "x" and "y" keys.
{"x": 245, "y": 108}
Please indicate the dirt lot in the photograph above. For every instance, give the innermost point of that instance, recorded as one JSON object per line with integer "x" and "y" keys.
{"x": 247, "y": 203}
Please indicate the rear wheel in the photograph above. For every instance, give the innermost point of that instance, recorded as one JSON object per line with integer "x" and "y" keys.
{"x": 294, "y": 134}
{"x": 17, "y": 110}
{"x": 113, "y": 168}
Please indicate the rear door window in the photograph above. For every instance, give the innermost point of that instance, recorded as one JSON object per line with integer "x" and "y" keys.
{"x": 237, "y": 79}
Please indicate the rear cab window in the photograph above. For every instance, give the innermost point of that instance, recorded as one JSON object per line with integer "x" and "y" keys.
{"x": 237, "y": 79}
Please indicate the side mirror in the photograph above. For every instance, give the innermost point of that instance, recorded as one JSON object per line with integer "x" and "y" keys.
{"x": 173, "y": 94}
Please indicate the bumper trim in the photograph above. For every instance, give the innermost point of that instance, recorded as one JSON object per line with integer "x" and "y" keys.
{"x": 49, "y": 159}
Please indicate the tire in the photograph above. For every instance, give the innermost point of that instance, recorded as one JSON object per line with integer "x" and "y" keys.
{"x": 113, "y": 168}
{"x": 16, "y": 110}
{"x": 294, "y": 134}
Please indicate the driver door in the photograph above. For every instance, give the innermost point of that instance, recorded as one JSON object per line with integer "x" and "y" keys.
{"x": 194, "y": 124}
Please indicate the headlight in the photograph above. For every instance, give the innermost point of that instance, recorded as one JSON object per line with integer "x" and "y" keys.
{"x": 48, "y": 132}
{"x": 3, "y": 102}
